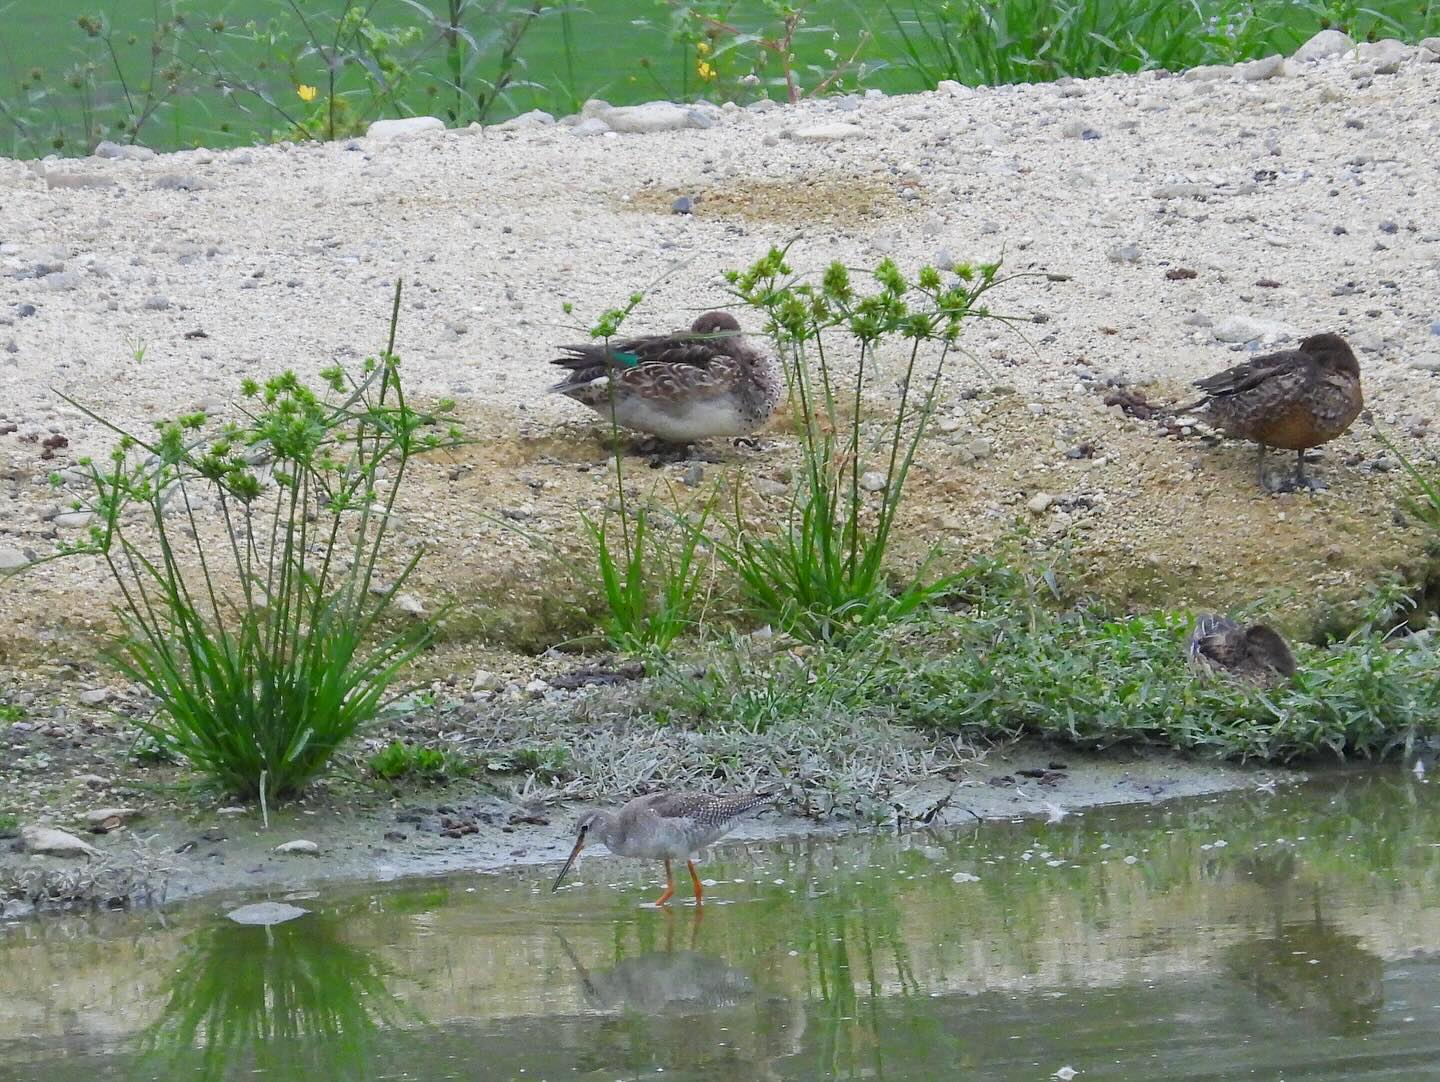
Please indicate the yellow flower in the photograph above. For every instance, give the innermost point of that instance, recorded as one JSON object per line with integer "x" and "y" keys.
{"x": 703, "y": 48}
{"x": 705, "y": 71}
{"x": 307, "y": 93}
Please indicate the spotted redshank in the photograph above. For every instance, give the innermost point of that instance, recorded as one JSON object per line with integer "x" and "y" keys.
{"x": 664, "y": 826}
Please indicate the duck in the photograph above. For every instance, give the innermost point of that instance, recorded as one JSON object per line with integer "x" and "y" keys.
{"x": 689, "y": 385}
{"x": 1257, "y": 654}
{"x": 1294, "y": 399}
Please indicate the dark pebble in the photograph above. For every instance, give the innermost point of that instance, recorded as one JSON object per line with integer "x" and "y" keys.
{"x": 1389, "y": 227}
{"x": 684, "y": 205}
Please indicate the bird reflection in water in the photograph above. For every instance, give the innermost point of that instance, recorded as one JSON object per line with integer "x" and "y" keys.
{"x": 689, "y": 1002}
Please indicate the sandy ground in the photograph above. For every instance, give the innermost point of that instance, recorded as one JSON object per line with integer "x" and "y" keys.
{"x": 1303, "y": 202}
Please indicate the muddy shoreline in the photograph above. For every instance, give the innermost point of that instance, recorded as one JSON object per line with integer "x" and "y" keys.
{"x": 465, "y": 829}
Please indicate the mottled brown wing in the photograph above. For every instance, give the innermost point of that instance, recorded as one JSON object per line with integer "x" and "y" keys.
{"x": 1285, "y": 366}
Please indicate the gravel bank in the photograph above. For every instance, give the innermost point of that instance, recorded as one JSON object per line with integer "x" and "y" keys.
{"x": 1171, "y": 223}
{"x": 1166, "y": 224}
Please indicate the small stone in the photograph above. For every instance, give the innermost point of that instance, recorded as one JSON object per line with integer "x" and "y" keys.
{"x": 1387, "y": 55}
{"x": 767, "y": 487}
{"x": 684, "y": 205}
{"x": 299, "y": 845}
{"x": 872, "y": 481}
{"x": 485, "y": 680}
{"x": 61, "y": 281}
{"x": 1040, "y": 503}
{"x": 1267, "y": 67}
{"x": 981, "y": 448}
{"x": 1325, "y": 44}
{"x": 265, "y": 914}
{"x": 827, "y": 133}
{"x": 1207, "y": 74}
{"x": 535, "y": 118}
{"x": 964, "y": 877}
{"x": 157, "y": 303}
{"x": 1125, "y": 253}
{"x": 1247, "y": 329}
{"x": 1389, "y": 227}
{"x": 652, "y": 116}
{"x": 409, "y": 604}
{"x": 77, "y": 180}
{"x": 12, "y": 559}
{"x": 73, "y": 520}
{"x": 92, "y": 781}
{"x": 537, "y": 686}
{"x": 55, "y": 843}
{"x": 93, "y": 697}
{"x": 123, "y": 151}
{"x": 1424, "y": 364}
{"x": 590, "y": 126}
{"x": 105, "y": 820}
{"x": 949, "y": 424}
{"x": 404, "y": 127}
{"x": 182, "y": 182}
{"x": 694, "y": 475}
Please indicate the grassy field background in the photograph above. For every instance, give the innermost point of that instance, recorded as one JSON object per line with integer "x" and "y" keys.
{"x": 226, "y": 72}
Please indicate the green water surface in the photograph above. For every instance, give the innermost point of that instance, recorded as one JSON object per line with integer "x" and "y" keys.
{"x": 1255, "y": 935}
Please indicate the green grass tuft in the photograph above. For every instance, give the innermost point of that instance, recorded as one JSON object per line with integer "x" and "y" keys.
{"x": 258, "y": 627}
{"x": 400, "y": 760}
{"x": 825, "y": 573}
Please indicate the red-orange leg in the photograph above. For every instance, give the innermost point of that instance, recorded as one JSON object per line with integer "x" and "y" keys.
{"x": 699, "y": 890}
{"x": 669, "y": 886}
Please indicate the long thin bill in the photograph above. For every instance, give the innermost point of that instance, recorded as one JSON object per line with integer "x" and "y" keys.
{"x": 579, "y": 845}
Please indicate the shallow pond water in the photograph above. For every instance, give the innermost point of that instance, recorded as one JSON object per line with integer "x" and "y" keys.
{"x": 1255, "y": 935}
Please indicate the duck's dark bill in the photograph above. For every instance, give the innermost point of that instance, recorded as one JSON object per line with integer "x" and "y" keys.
{"x": 579, "y": 845}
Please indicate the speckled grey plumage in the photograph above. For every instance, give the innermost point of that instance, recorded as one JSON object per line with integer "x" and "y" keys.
{"x": 674, "y": 826}
{"x": 664, "y": 826}
{"x": 690, "y": 385}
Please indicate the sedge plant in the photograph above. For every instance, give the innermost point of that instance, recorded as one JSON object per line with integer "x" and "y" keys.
{"x": 248, "y": 561}
{"x": 824, "y": 572}
{"x": 652, "y": 562}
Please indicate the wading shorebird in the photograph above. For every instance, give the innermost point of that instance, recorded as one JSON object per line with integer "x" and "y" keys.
{"x": 664, "y": 826}
{"x": 1295, "y": 399}
{"x": 687, "y": 386}
{"x": 1258, "y": 653}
